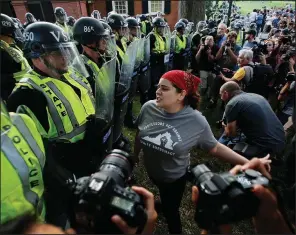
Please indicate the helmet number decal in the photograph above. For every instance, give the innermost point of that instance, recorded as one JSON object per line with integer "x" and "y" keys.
{"x": 6, "y": 24}
{"x": 88, "y": 29}
{"x": 29, "y": 36}
{"x": 58, "y": 36}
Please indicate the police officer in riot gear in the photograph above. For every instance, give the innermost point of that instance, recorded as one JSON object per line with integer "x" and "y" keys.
{"x": 158, "y": 51}
{"x": 134, "y": 34}
{"x": 71, "y": 21}
{"x": 96, "y": 14}
{"x": 13, "y": 63}
{"x": 179, "y": 46}
{"x": 145, "y": 24}
{"x": 61, "y": 19}
{"x": 120, "y": 31}
{"x": 30, "y": 19}
{"x": 99, "y": 56}
{"x": 59, "y": 99}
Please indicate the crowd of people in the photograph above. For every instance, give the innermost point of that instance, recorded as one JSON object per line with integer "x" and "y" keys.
{"x": 67, "y": 90}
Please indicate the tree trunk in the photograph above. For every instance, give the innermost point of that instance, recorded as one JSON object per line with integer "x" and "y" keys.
{"x": 192, "y": 10}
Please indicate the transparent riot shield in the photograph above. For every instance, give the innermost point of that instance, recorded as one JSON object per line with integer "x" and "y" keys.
{"x": 144, "y": 80}
{"x": 167, "y": 34}
{"x": 140, "y": 53}
{"x": 127, "y": 67}
{"x": 105, "y": 88}
{"x": 123, "y": 88}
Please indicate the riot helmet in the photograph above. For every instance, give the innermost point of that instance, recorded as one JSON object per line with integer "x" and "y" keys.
{"x": 30, "y": 18}
{"x": 71, "y": 21}
{"x": 90, "y": 32}
{"x": 96, "y": 14}
{"x": 60, "y": 15}
{"x": 134, "y": 27}
{"x": 237, "y": 26}
{"x": 185, "y": 21}
{"x": 159, "y": 24}
{"x": 143, "y": 17}
{"x": 50, "y": 47}
{"x": 9, "y": 28}
{"x": 180, "y": 27}
{"x": 118, "y": 24}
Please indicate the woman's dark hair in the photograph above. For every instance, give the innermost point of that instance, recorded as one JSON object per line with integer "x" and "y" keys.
{"x": 18, "y": 225}
{"x": 191, "y": 100}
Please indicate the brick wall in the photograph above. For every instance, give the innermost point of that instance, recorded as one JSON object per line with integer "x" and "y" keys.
{"x": 100, "y": 5}
{"x": 20, "y": 9}
{"x": 173, "y": 17}
{"x": 138, "y": 7}
{"x": 76, "y": 9}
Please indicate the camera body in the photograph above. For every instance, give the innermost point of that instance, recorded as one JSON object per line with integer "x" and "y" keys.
{"x": 260, "y": 48}
{"x": 222, "y": 196}
{"x": 217, "y": 69}
{"x": 105, "y": 193}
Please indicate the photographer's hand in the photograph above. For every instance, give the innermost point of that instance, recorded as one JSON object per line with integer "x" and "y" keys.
{"x": 151, "y": 214}
{"x": 268, "y": 218}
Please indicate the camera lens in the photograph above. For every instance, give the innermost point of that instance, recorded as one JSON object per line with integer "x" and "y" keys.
{"x": 117, "y": 165}
{"x": 201, "y": 173}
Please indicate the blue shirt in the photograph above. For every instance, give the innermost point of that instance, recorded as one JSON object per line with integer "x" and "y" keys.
{"x": 259, "y": 19}
{"x": 275, "y": 22}
{"x": 219, "y": 43}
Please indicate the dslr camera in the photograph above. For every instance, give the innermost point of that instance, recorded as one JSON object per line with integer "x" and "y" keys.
{"x": 222, "y": 196}
{"x": 104, "y": 194}
{"x": 259, "y": 48}
{"x": 217, "y": 69}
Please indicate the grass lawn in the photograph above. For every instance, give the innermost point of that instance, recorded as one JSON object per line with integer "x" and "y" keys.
{"x": 248, "y": 6}
{"x": 187, "y": 209}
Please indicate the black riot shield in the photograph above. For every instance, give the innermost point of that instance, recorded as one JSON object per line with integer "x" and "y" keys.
{"x": 123, "y": 88}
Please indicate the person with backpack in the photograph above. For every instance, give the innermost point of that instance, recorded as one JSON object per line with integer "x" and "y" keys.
{"x": 252, "y": 77}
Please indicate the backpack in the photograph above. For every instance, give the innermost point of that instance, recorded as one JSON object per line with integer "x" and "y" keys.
{"x": 259, "y": 79}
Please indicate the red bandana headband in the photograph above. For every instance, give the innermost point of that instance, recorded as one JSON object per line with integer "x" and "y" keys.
{"x": 183, "y": 80}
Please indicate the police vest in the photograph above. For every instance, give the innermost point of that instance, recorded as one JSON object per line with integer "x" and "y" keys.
{"x": 180, "y": 44}
{"x": 120, "y": 51}
{"x": 239, "y": 38}
{"x": 67, "y": 112}
{"x": 143, "y": 28}
{"x": 101, "y": 76}
{"x": 160, "y": 44}
{"x": 22, "y": 163}
{"x": 64, "y": 27}
{"x": 18, "y": 57}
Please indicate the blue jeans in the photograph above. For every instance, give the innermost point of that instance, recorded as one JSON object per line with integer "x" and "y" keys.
{"x": 231, "y": 140}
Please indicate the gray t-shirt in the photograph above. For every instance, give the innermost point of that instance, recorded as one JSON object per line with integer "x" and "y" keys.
{"x": 257, "y": 121}
{"x": 167, "y": 139}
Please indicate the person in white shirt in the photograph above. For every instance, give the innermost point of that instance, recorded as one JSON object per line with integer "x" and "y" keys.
{"x": 253, "y": 16}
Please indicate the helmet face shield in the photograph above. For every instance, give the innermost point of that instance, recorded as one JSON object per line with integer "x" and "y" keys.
{"x": 62, "y": 57}
{"x": 61, "y": 17}
{"x": 135, "y": 31}
{"x": 160, "y": 30}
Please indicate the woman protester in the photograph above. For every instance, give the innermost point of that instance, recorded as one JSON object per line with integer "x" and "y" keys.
{"x": 168, "y": 129}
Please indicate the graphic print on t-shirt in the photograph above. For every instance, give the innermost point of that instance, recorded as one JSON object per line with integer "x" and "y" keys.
{"x": 165, "y": 140}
